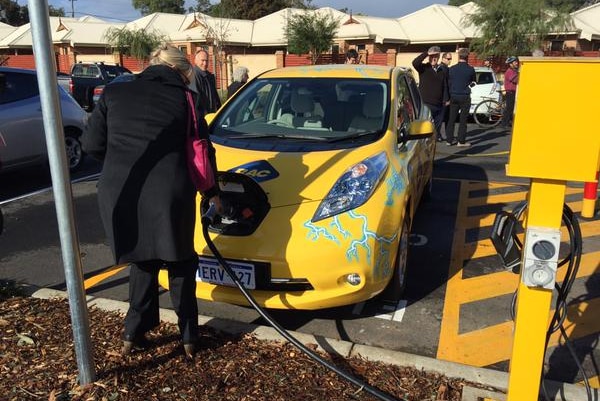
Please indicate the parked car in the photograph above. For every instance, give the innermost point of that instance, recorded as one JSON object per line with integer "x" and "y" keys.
{"x": 487, "y": 87}
{"x": 98, "y": 90}
{"x": 64, "y": 80}
{"x": 86, "y": 76}
{"x": 322, "y": 169}
{"x": 22, "y": 135}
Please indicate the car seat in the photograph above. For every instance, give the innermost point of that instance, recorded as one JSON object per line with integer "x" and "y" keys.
{"x": 303, "y": 107}
{"x": 372, "y": 113}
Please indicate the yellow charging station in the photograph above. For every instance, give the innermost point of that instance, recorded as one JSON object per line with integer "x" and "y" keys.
{"x": 555, "y": 139}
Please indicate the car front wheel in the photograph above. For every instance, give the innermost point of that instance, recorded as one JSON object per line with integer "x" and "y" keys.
{"x": 397, "y": 285}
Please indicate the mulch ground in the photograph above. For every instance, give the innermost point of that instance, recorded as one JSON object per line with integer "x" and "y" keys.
{"x": 37, "y": 362}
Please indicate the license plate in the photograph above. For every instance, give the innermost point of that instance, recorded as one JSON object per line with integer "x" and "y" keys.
{"x": 209, "y": 271}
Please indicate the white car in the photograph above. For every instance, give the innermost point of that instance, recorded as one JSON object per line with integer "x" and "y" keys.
{"x": 486, "y": 87}
{"x": 22, "y": 137}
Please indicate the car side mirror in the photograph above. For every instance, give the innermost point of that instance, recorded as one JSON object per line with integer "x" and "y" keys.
{"x": 420, "y": 129}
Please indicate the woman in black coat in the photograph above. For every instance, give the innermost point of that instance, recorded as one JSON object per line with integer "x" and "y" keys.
{"x": 146, "y": 197}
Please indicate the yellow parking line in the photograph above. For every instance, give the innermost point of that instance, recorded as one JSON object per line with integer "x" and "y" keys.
{"x": 486, "y": 220}
{"x": 505, "y": 282}
{"x": 511, "y": 197}
{"x": 594, "y": 382}
{"x": 111, "y": 271}
{"x": 493, "y": 344}
{"x": 450, "y": 323}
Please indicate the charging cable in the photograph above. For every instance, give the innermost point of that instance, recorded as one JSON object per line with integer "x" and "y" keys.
{"x": 207, "y": 219}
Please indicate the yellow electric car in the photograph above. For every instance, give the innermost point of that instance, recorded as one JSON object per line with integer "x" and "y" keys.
{"x": 321, "y": 170}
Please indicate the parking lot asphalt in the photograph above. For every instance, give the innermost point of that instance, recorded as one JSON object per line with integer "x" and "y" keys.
{"x": 457, "y": 310}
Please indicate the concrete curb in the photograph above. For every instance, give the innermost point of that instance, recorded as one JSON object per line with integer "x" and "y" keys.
{"x": 496, "y": 382}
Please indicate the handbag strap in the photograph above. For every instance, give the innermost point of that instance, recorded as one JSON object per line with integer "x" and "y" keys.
{"x": 193, "y": 119}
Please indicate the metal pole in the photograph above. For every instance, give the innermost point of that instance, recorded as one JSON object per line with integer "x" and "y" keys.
{"x": 55, "y": 142}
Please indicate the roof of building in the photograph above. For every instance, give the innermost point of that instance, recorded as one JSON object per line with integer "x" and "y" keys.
{"x": 436, "y": 23}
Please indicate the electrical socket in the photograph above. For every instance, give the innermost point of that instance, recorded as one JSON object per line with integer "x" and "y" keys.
{"x": 540, "y": 261}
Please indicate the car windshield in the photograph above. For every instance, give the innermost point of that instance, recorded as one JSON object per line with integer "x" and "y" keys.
{"x": 307, "y": 110}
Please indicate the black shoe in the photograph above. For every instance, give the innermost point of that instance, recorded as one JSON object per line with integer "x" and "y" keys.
{"x": 190, "y": 350}
{"x": 134, "y": 343}
{"x": 440, "y": 139}
{"x": 451, "y": 143}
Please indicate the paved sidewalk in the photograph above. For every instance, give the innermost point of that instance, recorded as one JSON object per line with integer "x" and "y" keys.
{"x": 489, "y": 378}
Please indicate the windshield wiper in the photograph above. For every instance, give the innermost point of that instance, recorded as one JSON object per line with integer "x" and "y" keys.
{"x": 279, "y": 136}
{"x": 354, "y": 135}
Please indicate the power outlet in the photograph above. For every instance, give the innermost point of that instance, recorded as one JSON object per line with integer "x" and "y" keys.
{"x": 540, "y": 260}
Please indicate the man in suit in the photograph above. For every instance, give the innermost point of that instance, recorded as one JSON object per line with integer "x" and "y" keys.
{"x": 205, "y": 83}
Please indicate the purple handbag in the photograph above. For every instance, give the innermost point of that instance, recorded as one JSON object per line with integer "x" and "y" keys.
{"x": 199, "y": 164}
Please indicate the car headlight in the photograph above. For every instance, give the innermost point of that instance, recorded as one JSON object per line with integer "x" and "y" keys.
{"x": 354, "y": 187}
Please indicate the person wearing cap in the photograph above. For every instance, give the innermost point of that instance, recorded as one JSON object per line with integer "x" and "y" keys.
{"x": 511, "y": 80}
{"x": 461, "y": 77}
{"x": 433, "y": 85}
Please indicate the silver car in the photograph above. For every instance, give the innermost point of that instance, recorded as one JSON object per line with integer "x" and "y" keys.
{"x": 22, "y": 138}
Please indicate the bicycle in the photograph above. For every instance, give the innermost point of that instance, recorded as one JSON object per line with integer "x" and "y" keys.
{"x": 488, "y": 113}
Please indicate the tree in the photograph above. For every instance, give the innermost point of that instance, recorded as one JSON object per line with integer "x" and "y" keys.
{"x": 254, "y": 9}
{"x": 159, "y": 6}
{"x": 310, "y": 32}
{"x": 514, "y": 27}
{"x": 457, "y": 2}
{"x": 202, "y": 6}
{"x": 133, "y": 42}
{"x": 13, "y": 14}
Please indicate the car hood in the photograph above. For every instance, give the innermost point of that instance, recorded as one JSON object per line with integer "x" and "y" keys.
{"x": 291, "y": 178}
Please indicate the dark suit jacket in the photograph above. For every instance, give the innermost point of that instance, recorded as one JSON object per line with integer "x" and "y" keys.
{"x": 205, "y": 85}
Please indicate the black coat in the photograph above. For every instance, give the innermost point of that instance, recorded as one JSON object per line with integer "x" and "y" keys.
{"x": 146, "y": 198}
{"x": 205, "y": 85}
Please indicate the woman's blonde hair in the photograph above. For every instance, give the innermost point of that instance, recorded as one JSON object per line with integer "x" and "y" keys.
{"x": 166, "y": 54}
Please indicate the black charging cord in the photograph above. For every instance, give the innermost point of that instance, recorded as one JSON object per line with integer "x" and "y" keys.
{"x": 573, "y": 260}
{"x": 207, "y": 219}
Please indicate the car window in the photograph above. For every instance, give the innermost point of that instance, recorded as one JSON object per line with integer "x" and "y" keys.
{"x": 484, "y": 77}
{"x": 18, "y": 86}
{"x": 406, "y": 108}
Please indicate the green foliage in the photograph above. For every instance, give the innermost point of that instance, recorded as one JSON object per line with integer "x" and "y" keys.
{"x": 310, "y": 33}
{"x": 202, "y": 6}
{"x": 255, "y": 9}
{"x": 131, "y": 42}
{"x": 13, "y": 14}
{"x": 159, "y": 6}
{"x": 457, "y": 2}
{"x": 514, "y": 27}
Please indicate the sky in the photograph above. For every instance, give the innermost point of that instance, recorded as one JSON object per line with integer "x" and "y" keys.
{"x": 122, "y": 10}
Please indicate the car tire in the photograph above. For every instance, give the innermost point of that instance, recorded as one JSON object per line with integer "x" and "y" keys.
{"x": 74, "y": 150}
{"x": 397, "y": 285}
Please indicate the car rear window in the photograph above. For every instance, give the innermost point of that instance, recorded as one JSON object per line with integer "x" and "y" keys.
{"x": 484, "y": 77}
{"x": 18, "y": 86}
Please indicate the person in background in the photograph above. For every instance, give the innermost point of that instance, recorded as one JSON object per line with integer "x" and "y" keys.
{"x": 146, "y": 197}
{"x": 487, "y": 62}
{"x": 446, "y": 60}
{"x": 205, "y": 84}
{"x": 445, "y": 63}
{"x": 240, "y": 77}
{"x": 352, "y": 57}
{"x": 460, "y": 79}
{"x": 511, "y": 80}
{"x": 433, "y": 85}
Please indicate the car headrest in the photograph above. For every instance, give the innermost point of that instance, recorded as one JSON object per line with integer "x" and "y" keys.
{"x": 302, "y": 102}
{"x": 373, "y": 104}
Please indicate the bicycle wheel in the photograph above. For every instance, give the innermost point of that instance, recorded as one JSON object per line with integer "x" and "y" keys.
{"x": 488, "y": 113}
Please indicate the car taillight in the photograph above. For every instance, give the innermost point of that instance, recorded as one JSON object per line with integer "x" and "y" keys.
{"x": 98, "y": 90}
{"x": 71, "y": 86}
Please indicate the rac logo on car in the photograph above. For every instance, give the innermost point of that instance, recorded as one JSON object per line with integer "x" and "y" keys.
{"x": 259, "y": 170}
